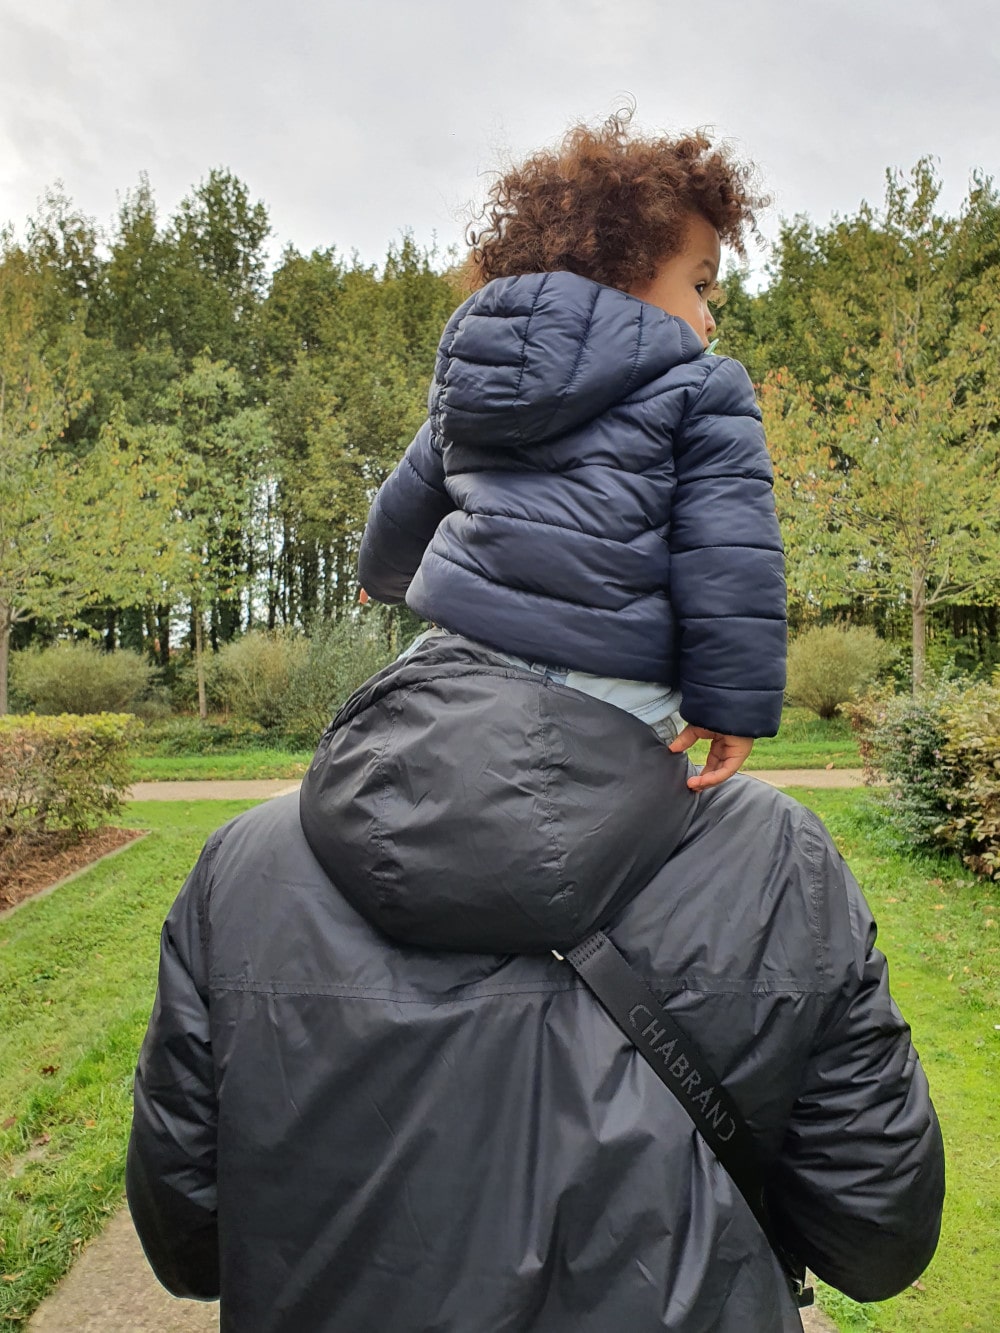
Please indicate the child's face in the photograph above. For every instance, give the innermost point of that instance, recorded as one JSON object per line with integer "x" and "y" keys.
{"x": 684, "y": 282}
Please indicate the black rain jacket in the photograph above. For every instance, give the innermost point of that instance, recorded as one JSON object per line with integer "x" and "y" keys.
{"x": 371, "y": 1098}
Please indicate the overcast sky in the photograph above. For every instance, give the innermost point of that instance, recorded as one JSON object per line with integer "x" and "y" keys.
{"x": 352, "y": 121}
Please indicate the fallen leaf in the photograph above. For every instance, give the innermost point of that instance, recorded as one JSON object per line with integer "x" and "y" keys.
{"x": 11, "y": 1120}
{"x": 828, "y": 767}
{"x": 50, "y": 1069}
{"x": 42, "y": 1140}
{"x": 892, "y": 900}
{"x": 938, "y": 907}
{"x": 90, "y": 1123}
{"x": 12, "y": 1277}
{"x": 951, "y": 976}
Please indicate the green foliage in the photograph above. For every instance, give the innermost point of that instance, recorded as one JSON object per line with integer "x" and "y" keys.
{"x": 229, "y": 766}
{"x": 60, "y": 773}
{"x": 939, "y": 754}
{"x": 831, "y": 665}
{"x": 290, "y": 686}
{"x": 76, "y": 988}
{"x": 341, "y": 657}
{"x": 78, "y": 677}
{"x": 882, "y": 408}
{"x": 971, "y": 752}
{"x": 180, "y": 736}
{"x": 254, "y": 675}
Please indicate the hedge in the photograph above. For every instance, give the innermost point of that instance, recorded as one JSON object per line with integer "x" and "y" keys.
{"x": 938, "y": 754}
{"x": 68, "y": 772}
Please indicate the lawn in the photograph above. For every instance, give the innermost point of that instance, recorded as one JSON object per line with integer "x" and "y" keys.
{"x": 240, "y": 766}
{"x": 940, "y": 930}
{"x": 77, "y": 974}
{"x": 804, "y": 741}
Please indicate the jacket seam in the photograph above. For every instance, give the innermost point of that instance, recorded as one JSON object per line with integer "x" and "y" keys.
{"x": 394, "y": 997}
{"x": 563, "y": 894}
{"x": 438, "y": 490}
{"x": 564, "y": 527}
{"x": 726, "y": 546}
{"x": 638, "y": 349}
{"x": 580, "y": 349}
{"x": 524, "y": 359}
{"x": 548, "y": 596}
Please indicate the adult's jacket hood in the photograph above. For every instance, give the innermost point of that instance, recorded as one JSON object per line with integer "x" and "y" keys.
{"x": 592, "y": 491}
{"x": 371, "y": 1098}
{"x": 527, "y": 800}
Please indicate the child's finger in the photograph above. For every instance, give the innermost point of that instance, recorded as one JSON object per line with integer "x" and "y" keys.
{"x": 683, "y": 741}
{"x": 716, "y": 771}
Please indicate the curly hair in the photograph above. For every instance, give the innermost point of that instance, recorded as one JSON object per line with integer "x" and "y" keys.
{"x": 610, "y": 205}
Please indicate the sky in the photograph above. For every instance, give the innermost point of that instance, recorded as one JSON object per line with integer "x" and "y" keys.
{"x": 354, "y": 121}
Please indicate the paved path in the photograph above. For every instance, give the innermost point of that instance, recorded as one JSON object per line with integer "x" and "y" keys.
{"x": 263, "y": 789}
{"x": 110, "y": 1289}
{"x": 259, "y": 789}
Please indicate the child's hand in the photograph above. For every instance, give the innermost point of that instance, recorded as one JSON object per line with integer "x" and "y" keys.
{"x": 725, "y": 755}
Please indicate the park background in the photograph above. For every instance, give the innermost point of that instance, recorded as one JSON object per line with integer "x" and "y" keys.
{"x": 202, "y": 385}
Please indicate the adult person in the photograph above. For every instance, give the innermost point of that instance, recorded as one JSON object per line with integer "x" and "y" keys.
{"x": 371, "y": 1097}
{"x": 374, "y": 1095}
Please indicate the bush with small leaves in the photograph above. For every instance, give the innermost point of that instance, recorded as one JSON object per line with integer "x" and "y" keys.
{"x": 253, "y": 675}
{"x": 832, "y": 665}
{"x": 938, "y": 754}
{"x": 60, "y": 773}
{"x": 341, "y": 656}
{"x": 80, "y": 678}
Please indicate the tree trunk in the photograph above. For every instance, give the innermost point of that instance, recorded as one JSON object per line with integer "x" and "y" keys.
{"x": 163, "y": 633}
{"x": 6, "y": 625}
{"x": 199, "y": 663}
{"x": 919, "y": 627}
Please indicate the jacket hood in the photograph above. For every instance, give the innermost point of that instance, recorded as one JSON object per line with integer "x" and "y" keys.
{"x": 528, "y": 358}
{"x": 462, "y": 804}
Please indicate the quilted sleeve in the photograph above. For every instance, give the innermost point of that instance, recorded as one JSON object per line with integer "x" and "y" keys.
{"x": 727, "y": 580}
{"x": 403, "y": 519}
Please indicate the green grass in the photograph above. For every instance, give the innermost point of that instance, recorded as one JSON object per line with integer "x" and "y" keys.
{"x": 77, "y": 977}
{"x": 940, "y": 930}
{"x": 803, "y": 741}
{"x": 246, "y": 765}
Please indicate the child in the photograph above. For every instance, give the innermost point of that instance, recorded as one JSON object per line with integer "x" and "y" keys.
{"x": 591, "y": 493}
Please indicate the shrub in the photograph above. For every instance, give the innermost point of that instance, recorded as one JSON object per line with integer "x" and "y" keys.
{"x": 939, "y": 755}
{"x": 60, "y": 773}
{"x": 189, "y": 735}
{"x": 971, "y": 750}
{"x": 80, "y": 678}
{"x": 340, "y": 657}
{"x": 253, "y": 675}
{"x": 831, "y": 666}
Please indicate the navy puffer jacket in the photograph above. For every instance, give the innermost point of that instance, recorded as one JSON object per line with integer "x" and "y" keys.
{"x": 592, "y": 491}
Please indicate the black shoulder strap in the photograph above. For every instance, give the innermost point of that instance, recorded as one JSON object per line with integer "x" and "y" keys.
{"x": 681, "y": 1065}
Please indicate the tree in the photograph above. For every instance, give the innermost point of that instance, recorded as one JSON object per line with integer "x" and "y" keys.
{"x": 221, "y": 445}
{"x": 898, "y": 454}
{"x": 74, "y": 530}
